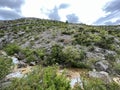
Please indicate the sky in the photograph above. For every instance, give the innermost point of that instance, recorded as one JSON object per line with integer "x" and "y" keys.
{"x": 91, "y": 12}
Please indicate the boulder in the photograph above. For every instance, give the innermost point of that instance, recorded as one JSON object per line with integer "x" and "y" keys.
{"x": 1, "y": 43}
{"x": 22, "y": 65}
{"x": 101, "y": 75}
{"x": 3, "y": 53}
{"x": 24, "y": 60}
{"x": 20, "y": 56}
{"x": 102, "y": 65}
{"x": 98, "y": 50}
{"x": 116, "y": 80}
{"x": 20, "y": 33}
{"x": 26, "y": 44}
{"x": 14, "y": 75}
{"x": 32, "y": 63}
{"x": 76, "y": 81}
{"x": 108, "y": 52}
{"x": 97, "y": 56}
{"x": 116, "y": 40}
{"x": 15, "y": 60}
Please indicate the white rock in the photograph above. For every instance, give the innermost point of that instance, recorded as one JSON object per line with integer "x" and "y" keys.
{"x": 14, "y": 75}
{"x": 101, "y": 75}
{"x": 75, "y": 81}
{"x": 15, "y": 60}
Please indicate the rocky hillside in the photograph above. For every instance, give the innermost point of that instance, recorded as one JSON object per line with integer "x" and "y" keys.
{"x": 95, "y": 49}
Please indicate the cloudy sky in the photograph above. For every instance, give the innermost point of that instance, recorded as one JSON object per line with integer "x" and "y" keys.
{"x": 97, "y": 12}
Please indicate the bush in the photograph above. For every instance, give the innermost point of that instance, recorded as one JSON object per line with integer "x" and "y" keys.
{"x": 117, "y": 68}
{"x": 28, "y": 55}
{"x": 82, "y": 65}
{"x": 110, "y": 57}
{"x": 33, "y": 55}
{"x": 40, "y": 53}
{"x": 68, "y": 56}
{"x": 106, "y": 42}
{"x": 112, "y": 86}
{"x": 56, "y": 55}
{"x": 97, "y": 84}
{"x": 73, "y": 56}
{"x": 5, "y": 66}
{"x": 41, "y": 79}
{"x": 94, "y": 84}
{"x": 67, "y": 32}
{"x": 87, "y": 38}
{"x": 12, "y": 48}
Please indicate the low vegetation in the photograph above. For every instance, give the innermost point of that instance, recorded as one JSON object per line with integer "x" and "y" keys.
{"x": 5, "y": 66}
{"x": 41, "y": 79}
{"x": 97, "y": 84}
{"x": 46, "y": 43}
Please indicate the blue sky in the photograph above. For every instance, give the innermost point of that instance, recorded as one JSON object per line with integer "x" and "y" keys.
{"x": 95, "y": 12}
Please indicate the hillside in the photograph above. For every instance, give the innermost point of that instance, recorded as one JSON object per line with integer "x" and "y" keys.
{"x": 48, "y": 44}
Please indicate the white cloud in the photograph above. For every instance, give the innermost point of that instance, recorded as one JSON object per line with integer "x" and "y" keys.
{"x": 88, "y": 11}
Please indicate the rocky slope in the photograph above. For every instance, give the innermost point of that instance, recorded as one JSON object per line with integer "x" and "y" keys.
{"x": 44, "y": 42}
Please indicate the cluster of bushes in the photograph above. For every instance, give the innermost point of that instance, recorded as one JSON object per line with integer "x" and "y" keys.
{"x": 12, "y": 48}
{"x": 33, "y": 55}
{"x": 55, "y": 56}
{"x": 29, "y": 54}
{"x": 67, "y": 32}
{"x": 87, "y": 38}
{"x": 95, "y": 37}
{"x": 41, "y": 79}
{"x": 106, "y": 42}
{"x": 66, "y": 56}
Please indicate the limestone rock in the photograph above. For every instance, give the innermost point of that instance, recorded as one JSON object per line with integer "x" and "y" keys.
{"x": 102, "y": 65}
{"x": 22, "y": 65}
{"x": 32, "y": 63}
{"x": 101, "y": 75}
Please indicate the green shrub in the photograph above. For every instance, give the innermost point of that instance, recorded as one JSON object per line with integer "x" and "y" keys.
{"x": 28, "y": 54}
{"x": 94, "y": 84}
{"x": 117, "y": 68}
{"x": 5, "y": 66}
{"x": 111, "y": 57}
{"x": 97, "y": 84}
{"x": 12, "y": 48}
{"x": 87, "y": 38}
{"x": 33, "y": 55}
{"x": 91, "y": 48}
{"x": 56, "y": 55}
{"x": 82, "y": 65}
{"x": 81, "y": 29}
{"x": 95, "y": 37}
{"x": 90, "y": 62}
{"x": 41, "y": 79}
{"x": 40, "y": 53}
{"x": 106, "y": 42}
{"x": 112, "y": 86}
{"x": 68, "y": 56}
{"x": 31, "y": 58}
{"x": 71, "y": 53}
{"x": 68, "y": 32}
{"x": 73, "y": 56}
